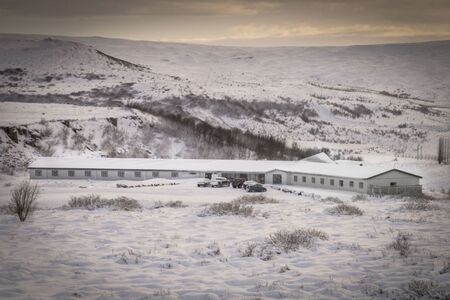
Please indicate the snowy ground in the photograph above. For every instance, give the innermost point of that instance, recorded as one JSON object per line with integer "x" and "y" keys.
{"x": 16, "y": 113}
{"x": 169, "y": 253}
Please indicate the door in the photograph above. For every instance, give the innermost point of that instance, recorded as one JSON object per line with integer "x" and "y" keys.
{"x": 276, "y": 179}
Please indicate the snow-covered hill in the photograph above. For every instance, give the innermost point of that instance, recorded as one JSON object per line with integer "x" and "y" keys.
{"x": 386, "y": 98}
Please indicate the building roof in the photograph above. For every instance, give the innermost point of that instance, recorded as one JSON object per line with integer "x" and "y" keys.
{"x": 214, "y": 165}
{"x": 321, "y": 157}
{"x": 199, "y": 165}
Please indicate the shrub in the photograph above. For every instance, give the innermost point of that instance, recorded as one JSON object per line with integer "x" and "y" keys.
{"x": 401, "y": 244}
{"x": 419, "y": 204}
{"x": 255, "y": 199}
{"x": 23, "y": 200}
{"x": 345, "y": 209}
{"x": 445, "y": 269}
{"x": 421, "y": 288}
{"x": 333, "y": 200}
{"x": 92, "y": 202}
{"x": 229, "y": 208}
{"x": 175, "y": 204}
{"x": 359, "y": 197}
{"x": 289, "y": 241}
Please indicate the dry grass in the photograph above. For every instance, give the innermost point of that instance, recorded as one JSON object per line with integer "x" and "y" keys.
{"x": 346, "y": 209}
{"x": 332, "y": 200}
{"x": 92, "y": 202}
{"x": 401, "y": 244}
{"x": 234, "y": 207}
{"x": 283, "y": 241}
{"x": 292, "y": 240}
{"x": 360, "y": 197}
{"x": 419, "y": 204}
{"x": 256, "y": 199}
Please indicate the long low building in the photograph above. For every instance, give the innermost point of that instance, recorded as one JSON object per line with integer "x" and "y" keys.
{"x": 317, "y": 171}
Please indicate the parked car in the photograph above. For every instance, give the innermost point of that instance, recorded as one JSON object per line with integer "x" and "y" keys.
{"x": 248, "y": 183}
{"x": 204, "y": 183}
{"x": 237, "y": 182}
{"x": 220, "y": 182}
{"x": 256, "y": 188}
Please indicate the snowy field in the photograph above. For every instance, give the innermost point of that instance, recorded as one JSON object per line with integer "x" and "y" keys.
{"x": 16, "y": 113}
{"x": 174, "y": 253}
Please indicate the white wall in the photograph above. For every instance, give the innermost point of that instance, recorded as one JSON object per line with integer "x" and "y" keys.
{"x": 269, "y": 177}
{"x": 394, "y": 176}
{"x": 327, "y": 182}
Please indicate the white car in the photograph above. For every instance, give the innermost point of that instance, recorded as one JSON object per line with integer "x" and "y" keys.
{"x": 220, "y": 182}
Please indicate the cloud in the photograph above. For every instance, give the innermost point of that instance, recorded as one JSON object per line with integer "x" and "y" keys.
{"x": 103, "y": 8}
{"x": 255, "y": 31}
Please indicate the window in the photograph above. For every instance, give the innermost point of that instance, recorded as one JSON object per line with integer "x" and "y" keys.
{"x": 361, "y": 185}
{"x": 331, "y": 181}
{"x": 87, "y": 173}
{"x": 351, "y": 183}
{"x": 341, "y": 183}
{"x": 277, "y": 179}
{"x": 71, "y": 173}
{"x": 155, "y": 174}
{"x": 54, "y": 172}
{"x": 137, "y": 173}
{"x": 322, "y": 181}
{"x": 295, "y": 178}
{"x": 104, "y": 173}
{"x": 38, "y": 172}
{"x": 304, "y": 178}
{"x": 313, "y": 179}
{"x": 174, "y": 174}
{"x": 393, "y": 183}
{"x": 195, "y": 173}
{"x": 121, "y": 173}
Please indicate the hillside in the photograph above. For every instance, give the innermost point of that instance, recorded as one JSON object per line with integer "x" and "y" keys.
{"x": 354, "y": 100}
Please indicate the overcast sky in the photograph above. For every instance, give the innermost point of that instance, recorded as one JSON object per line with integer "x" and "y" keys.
{"x": 234, "y": 22}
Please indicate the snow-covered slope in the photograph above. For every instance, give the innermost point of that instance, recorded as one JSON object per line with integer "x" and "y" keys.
{"x": 386, "y": 98}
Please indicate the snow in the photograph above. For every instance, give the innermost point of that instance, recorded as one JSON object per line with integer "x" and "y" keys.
{"x": 166, "y": 253}
{"x": 16, "y": 113}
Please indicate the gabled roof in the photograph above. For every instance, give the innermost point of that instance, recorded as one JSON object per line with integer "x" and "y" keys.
{"x": 398, "y": 170}
{"x": 321, "y": 157}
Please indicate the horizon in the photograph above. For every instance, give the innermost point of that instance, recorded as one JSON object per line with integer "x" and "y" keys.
{"x": 68, "y": 37}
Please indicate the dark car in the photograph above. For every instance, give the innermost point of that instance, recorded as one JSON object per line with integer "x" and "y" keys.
{"x": 237, "y": 182}
{"x": 256, "y": 188}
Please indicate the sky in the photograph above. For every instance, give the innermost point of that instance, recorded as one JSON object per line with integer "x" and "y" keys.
{"x": 234, "y": 22}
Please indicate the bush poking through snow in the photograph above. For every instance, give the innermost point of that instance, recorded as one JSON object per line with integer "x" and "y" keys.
{"x": 346, "y": 209}
{"x": 289, "y": 241}
{"x": 23, "y": 200}
{"x": 92, "y": 202}
{"x": 256, "y": 199}
{"x": 229, "y": 208}
{"x": 283, "y": 241}
{"x": 359, "y": 197}
{"x": 175, "y": 204}
{"x": 445, "y": 269}
{"x": 401, "y": 244}
{"x": 422, "y": 288}
{"x": 171, "y": 204}
{"x": 333, "y": 200}
{"x": 419, "y": 204}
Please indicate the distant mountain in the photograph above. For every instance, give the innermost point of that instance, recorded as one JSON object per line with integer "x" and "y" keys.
{"x": 385, "y": 98}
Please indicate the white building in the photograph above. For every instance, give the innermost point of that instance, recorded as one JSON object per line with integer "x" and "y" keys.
{"x": 317, "y": 171}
